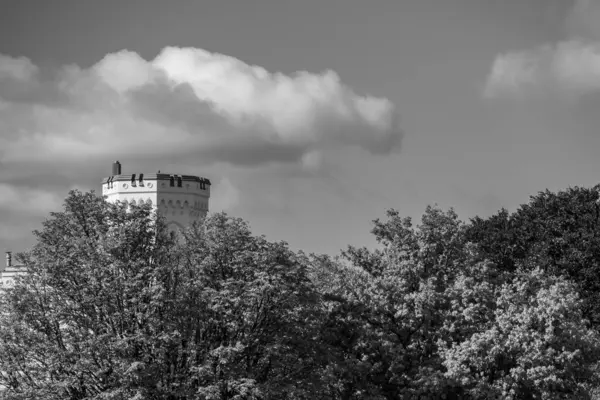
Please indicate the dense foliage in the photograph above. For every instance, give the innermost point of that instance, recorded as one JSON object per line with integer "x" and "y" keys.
{"x": 558, "y": 232}
{"x": 114, "y": 307}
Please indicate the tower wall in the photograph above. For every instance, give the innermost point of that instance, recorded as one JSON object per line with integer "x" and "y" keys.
{"x": 182, "y": 199}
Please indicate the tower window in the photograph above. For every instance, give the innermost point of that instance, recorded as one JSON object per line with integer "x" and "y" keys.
{"x": 179, "y": 181}
{"x": 133, "y": 180}
{"x": 172, "y": 181}
{"x": 141, "y": 179}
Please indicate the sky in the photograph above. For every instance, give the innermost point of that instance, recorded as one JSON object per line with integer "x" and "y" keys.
{"x": 311, "y": 118}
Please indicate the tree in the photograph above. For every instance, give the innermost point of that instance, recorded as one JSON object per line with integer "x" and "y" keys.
{"x": 427, "y": 315}
{"x": 525, "y": 339}
{"x": 113, "y": 307}
{"x": 75, "y": 324}
{"x": 559, "y": 232}
{"x": 387, "y": 309}
{"x": 256, "y": 313}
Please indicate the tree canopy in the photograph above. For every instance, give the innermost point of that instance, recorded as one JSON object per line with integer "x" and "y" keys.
{"x": 115, "y": 307}
{"x": 559, "y": 232}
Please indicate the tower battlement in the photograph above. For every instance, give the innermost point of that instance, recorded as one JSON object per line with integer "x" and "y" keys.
{"x": 182, "y": 199}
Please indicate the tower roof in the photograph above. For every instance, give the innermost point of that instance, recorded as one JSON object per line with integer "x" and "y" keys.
{"x": 117, "y": 176}
{"x": 156, "y": 176}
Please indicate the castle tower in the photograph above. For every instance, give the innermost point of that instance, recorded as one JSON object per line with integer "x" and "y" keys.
{"x": 182, "y": 199}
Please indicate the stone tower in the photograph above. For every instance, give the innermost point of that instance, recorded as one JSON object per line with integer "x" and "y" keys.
{"x": 182, "y": 199}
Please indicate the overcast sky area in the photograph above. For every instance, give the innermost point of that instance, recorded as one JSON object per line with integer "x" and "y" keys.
{"x": 311, "y": 117}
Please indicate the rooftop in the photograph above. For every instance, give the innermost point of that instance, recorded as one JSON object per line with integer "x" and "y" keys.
{"x": 118, "y": 176}
{"x": 154, "y": 177}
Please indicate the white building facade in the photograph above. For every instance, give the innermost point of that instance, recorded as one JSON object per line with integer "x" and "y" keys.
{"x": 181, "y": 199}
{"x": 10, "y": 272}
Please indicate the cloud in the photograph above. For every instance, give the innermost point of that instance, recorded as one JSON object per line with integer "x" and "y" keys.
{"x": 188, "y": 111}
{"x": 567, "y": 68}
{"x": 511, "y": 72}
{"x": 582, "y": 20}
{"x": 571, "y": 67}
{"x": 187, "y": 103}
{"x": 312, "y": 161}
{"x": 19, "y": 69}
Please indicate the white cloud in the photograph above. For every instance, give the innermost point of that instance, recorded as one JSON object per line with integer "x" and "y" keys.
{"x": 124, "y": 71}
{"x": 188, "y": 103}
{"x": 511, "y": 72}
{"x": 187, "y": 109}
{"x": 576, "y": 66}
{"x": 20, "y": 68}
{"x": 571, "y": 67}
{"x": 567, "y": 68}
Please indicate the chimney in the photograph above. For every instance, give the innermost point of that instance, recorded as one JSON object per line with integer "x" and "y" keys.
{"x": 116, "y": 168}
{"x": 8, "y": 259}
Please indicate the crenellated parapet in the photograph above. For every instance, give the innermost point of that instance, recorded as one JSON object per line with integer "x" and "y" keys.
{"x": 182, "y": 199}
